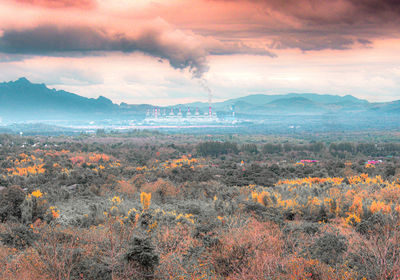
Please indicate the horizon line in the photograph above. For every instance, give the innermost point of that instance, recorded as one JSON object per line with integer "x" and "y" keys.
{"x": 204, "y": 102}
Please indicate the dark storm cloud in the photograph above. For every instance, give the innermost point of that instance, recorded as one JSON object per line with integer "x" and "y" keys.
{"x": 179, "y": 50}
{"x": 52, "y": 39}
{"x": 324, "y": 10}
{"x": 65, "y": 41}
{"x": 317, "y": 24}
{"x": 377, "y": 8}
{"x": 345, "y": 15}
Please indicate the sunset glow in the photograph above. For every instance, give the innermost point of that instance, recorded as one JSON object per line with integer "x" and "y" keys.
{"x": 159, "y": 51}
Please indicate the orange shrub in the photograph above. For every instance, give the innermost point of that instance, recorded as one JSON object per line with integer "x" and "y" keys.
{"x": 162, "y": 188}
{"x": 126, "y": 187}
{"x": 174, "y": 244}
{"x": 253, "y": 251}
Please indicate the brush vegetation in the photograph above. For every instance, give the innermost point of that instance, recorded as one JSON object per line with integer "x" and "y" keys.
{"x": 184, "y": 207}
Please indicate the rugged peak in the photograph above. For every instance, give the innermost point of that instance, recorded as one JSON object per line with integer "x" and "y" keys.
{"x": 23, "y": 80}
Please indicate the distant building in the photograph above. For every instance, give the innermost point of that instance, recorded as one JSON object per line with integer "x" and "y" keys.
{"x": 181, "y": 119}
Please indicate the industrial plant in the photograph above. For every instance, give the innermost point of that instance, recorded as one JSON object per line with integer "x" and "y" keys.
{"x": 173, "y": 116}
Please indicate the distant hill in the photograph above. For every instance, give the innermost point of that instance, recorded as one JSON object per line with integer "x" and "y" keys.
{"x": 22, "y": 100}
{"x": 387, "y": 107}
{"x": 318, "y": 98}
{"x": 27, "y": 100}
{"x": 295, "y": 103}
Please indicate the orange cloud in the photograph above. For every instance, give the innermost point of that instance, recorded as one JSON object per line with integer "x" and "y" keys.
{"x": 186, "y": 33}
{"x": 54, "y": 4}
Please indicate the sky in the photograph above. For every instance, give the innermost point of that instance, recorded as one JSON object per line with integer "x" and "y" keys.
{"x": 176, "y": 51}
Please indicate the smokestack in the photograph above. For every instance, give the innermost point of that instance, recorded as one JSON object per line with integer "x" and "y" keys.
{"x": 156, "y": 113}
{"x": 209, "y": 111}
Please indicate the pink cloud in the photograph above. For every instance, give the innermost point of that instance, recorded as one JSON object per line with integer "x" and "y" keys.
{"x": 56, "y": 4}
{"x": 186, "y": 33}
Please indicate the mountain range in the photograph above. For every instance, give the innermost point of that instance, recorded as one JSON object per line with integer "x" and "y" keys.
{"x": 22, "y": 100}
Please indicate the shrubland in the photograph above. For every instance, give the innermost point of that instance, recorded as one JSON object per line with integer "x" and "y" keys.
{"x": 185, "y": 207}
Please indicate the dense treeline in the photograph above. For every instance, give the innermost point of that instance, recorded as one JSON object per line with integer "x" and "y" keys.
{"x": 212, "y": 148}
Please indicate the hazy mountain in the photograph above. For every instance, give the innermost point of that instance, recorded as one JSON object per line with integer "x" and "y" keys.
{"x": 386, "y": 107}
{"x": 293, "y": 103}
{"x": 257, "y": 99}
{"x": 22, "y": 100}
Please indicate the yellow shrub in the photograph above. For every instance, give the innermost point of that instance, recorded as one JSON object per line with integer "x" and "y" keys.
{"x": 116, "y": 200}
{"x": 352, "y": 219}
{"x": 37, "y": 193}
{"x": 145, "y": 199}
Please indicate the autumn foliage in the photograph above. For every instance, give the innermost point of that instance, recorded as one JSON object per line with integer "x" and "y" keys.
{"x": 146, "y": 208}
